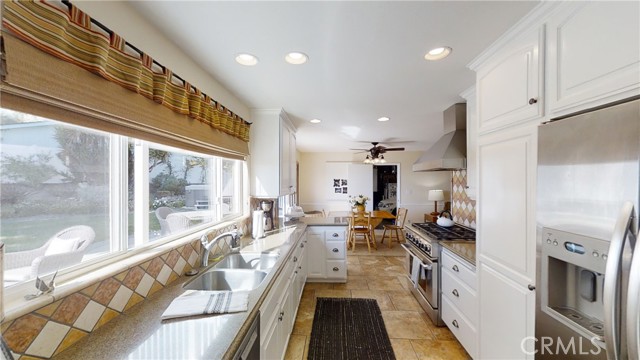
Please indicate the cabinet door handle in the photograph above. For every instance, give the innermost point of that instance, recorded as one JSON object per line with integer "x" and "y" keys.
{"x": 455, "y": 293}
{"x": 455, "y": 268}
{"x": 533, "y": 101}
{"x": 335, "y": 250}
{"x": 336, "y": 269}
{"x": 455, "y": 323}
{"x": 335, "y": 235}
{"x": 531, "y": 287}
{"x": 281, "y": 316}
{"x": 301, "y": 245}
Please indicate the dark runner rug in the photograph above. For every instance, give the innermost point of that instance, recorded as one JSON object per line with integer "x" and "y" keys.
{"x": 349, "y": 329}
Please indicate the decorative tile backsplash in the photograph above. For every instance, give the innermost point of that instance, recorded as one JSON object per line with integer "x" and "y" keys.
{"x": 51, "y": 329}
{"x": 463, "y": 208}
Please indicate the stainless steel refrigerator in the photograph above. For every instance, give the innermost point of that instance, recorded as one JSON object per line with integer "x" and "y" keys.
{"x": 588, "y": 262}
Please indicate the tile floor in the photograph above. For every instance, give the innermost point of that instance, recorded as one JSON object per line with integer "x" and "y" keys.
{"x": 413, "y": 335}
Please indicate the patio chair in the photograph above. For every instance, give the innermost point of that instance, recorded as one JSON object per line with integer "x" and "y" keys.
{"x": 177, "y": 223}
{"x": 162, "y": 213}
{"x": 64, "y": 249}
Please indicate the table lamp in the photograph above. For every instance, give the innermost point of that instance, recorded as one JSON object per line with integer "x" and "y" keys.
{"x": 435, "y": 196}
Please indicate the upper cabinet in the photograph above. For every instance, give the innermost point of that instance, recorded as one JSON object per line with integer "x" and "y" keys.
{"x": 273, "y": 154}
{"x": 472, "y": 141}
{"x": 593, "y": 54}
{"x": 510, "y": 83}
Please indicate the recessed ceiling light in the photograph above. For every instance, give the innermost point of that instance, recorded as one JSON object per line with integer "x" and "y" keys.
{"x": 246, "y": 59}
{"x": 384, "y": 118}
{"x": 296, "y": 58}
{"x": 315, "y": 121}
{"x": 438, "y": 53}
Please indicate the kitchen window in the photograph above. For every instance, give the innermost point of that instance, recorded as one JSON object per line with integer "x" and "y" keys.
{"x": 120, "y": 193}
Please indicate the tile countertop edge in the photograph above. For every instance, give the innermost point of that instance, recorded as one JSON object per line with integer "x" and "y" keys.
{"x": 125, "y": 336}
{"x": 466, "y": 250}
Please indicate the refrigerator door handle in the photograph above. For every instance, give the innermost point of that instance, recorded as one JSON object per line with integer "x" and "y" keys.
{"x": 633, "y": 306}
{"x": 612, "y": 276}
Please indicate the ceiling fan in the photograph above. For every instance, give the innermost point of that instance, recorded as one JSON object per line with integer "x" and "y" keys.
{"x": 375, "y": 155}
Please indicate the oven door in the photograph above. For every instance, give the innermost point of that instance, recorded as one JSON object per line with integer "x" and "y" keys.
{"x": 427, "y": 281}
{"x": 411, "y": 264}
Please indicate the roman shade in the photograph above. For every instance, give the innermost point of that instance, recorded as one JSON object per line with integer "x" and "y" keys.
{"x": 58, "y": 65}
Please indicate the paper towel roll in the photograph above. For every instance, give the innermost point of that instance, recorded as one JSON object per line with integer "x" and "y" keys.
{"x": 258, "y": 224}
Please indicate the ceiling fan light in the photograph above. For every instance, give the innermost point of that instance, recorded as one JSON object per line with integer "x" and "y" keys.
{"x": 381, "y": 159}
{"x": 367, "y": 160}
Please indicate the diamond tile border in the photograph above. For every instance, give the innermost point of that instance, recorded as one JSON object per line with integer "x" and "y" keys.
{"x": 463, "y": 208}
{"x": 53, "y": 328}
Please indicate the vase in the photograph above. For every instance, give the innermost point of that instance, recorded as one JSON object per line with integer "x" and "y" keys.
{"x": 359, "y": 208}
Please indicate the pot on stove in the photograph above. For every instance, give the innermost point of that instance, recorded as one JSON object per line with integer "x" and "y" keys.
{"x": 445, "y": 221}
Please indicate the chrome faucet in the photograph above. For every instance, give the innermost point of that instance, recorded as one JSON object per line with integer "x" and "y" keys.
{"x": 235, "y": 234}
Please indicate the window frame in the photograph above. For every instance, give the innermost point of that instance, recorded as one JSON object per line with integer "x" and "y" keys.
{"x": 119, "y": 214}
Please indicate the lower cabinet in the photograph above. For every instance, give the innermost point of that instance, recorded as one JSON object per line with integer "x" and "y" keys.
{"x": 460, "y": 301}
{"x": 278, "y": 311}
{"x": 326, "y": 259}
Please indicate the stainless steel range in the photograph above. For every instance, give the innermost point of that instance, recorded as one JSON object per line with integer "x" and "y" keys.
{"x": 423, "y": 251}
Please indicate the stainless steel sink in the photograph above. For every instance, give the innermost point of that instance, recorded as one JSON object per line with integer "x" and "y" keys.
{"x": 227, "y": 279}
{"x": 257, "y": 261}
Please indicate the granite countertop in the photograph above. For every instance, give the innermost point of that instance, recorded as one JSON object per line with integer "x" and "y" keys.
{"x": 463, "y": 248}
{"x": 140, "y": 334}
{"x": 326, "y": 221}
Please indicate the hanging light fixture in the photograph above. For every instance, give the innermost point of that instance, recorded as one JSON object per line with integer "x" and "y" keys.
{"x": 368, "y": 160}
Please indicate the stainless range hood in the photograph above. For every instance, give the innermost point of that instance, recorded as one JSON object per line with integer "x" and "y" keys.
{"x": 450, "y": 152}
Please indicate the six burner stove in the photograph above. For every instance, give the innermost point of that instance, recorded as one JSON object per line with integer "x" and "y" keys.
{"x": 437, "y": 232}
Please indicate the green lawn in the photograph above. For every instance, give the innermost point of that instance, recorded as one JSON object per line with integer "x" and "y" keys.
{"x": 29, "y": 233}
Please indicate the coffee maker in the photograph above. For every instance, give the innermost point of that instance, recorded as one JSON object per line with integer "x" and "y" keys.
{"x": 267, "y": 208}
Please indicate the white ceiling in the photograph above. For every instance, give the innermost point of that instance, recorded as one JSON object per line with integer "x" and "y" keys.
{"x": 366, "y": 60}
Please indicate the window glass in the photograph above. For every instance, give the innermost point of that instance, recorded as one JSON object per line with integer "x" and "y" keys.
{"x": 55, "y": 179}
{"x": 71, "y": 194}
{"x": 179, "y": 191}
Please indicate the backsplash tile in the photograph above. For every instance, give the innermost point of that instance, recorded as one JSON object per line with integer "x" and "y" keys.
{"x": 51, "y": 329}
{"x": 463, "y": 208}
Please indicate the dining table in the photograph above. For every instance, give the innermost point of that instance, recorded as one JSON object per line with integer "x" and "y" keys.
{"x": 376, "y": 216}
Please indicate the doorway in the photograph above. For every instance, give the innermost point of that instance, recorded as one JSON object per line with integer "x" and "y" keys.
{"x": 386, "y": 187}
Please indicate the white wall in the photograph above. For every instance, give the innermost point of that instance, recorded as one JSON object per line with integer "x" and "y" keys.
{"x": 414, "y": 185}
{"x": 121, "y": 18}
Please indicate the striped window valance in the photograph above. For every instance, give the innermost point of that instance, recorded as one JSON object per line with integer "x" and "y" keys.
{"x": 67, "y": 33}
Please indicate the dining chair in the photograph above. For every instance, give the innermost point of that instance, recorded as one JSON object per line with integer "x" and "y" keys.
{"x": 360, "y": 226}
{"x": 395, "y": 228}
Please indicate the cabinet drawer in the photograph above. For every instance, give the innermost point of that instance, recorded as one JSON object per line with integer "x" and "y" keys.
{"x": 460, "y": 327}
{"x": 334, "y": 234}
{"x": 460, "y": 269}
{"x": 460, "y": 295}
{"x": 336, "y": 269}
{"x": 335, "y": 250}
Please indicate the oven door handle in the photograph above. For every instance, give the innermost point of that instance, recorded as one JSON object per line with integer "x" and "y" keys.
{"x": 428, "y": 264}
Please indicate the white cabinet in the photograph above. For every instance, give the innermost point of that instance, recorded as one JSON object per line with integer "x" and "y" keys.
{"x": 287, "y": 158}
{"x": 273, "y": 154}
{"x": 510, "y": 84}
{"x": 459, "y": 300}
{"x": 326, "y": 258}
{"x": 593, "y": 54}
{"x": 506, "y": 318}
{"x": 506, "y": 204}
{"x": 472, "y": 141}
{"x": 278, "y": 311}
{"x": 506, "y": 240}
{"x": 316, "y": 261}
